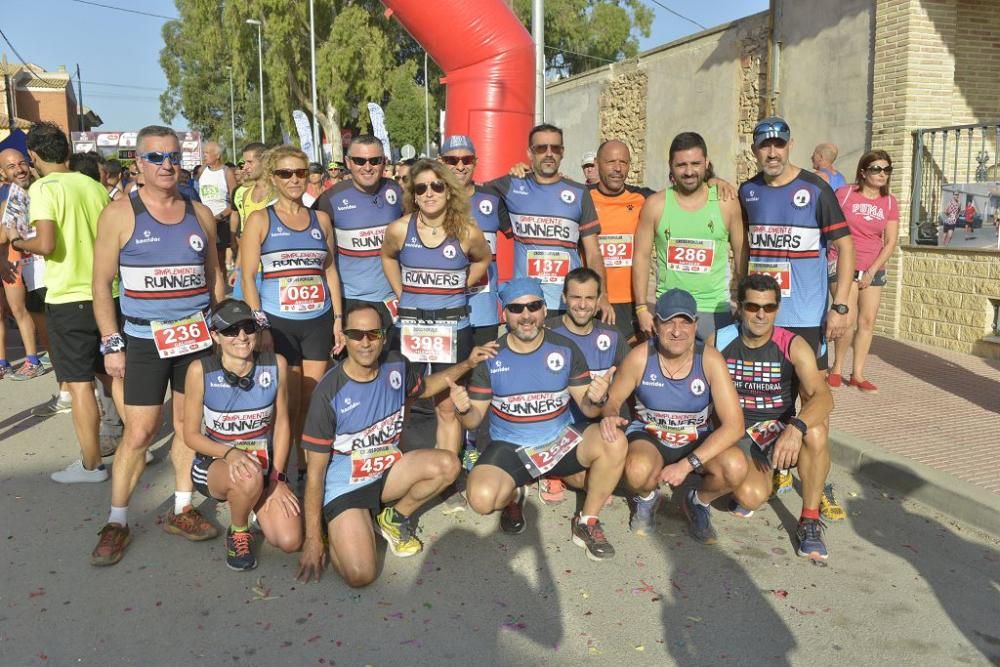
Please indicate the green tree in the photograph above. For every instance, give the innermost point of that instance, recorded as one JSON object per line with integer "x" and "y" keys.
{"x": 404, "y": 113}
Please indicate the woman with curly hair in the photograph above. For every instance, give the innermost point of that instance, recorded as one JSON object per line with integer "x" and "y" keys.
{"x": 431, "y": 256}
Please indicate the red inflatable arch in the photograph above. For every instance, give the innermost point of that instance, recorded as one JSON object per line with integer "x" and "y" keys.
{"x": 489, "y": 68}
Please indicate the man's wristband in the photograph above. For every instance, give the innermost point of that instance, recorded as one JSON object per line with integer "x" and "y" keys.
{"x": 112, "y": 343}
{"x": 641, "y": 308}
{"x": 799, "y": 424}
{"x": 231, "y": 450}
{"x": 277, "y": 476}
{"x": 260, "y": 317}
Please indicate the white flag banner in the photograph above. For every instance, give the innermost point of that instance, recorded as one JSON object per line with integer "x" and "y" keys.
{"x": 378, "y": 127}
{"x": 305, "y": 132}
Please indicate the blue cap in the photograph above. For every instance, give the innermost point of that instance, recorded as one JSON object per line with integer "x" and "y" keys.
{"x": 772, "y": 127}
{"x": 515, "y": 289}
{"x": 457, "y": 142}
{"x": 676, "y": 302}
{"x": 228, "y": 313}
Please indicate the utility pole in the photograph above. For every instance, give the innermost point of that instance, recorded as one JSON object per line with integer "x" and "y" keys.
{"x": 317, "y": 149}
{"x": 232, "y": 115}
{"x": 260, "y": 72}
{"x": 427, "y": 112}
{"x": 538, "y": 34}
{"x": 79, "y": 95}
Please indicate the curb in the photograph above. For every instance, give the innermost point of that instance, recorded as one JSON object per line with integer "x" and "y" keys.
{"x": 938, "y": 490}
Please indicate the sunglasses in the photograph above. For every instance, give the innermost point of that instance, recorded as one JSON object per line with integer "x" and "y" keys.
{"x": 361, "y": 334}
{"x": 752, "y": 307}
{"x": 766, "y": 128}
{"x": 159, "y": 157}
{"x": 452, "y": 160}
{"x": 436, "y": 186}
{"x": 285, "y": 174}
{"x": 362, "y": 161}
{"x": 879, "y": 169}
{"x": 248, "y": 327}
{"x": 532, "y": 306}
{"x": 542, "y": 149}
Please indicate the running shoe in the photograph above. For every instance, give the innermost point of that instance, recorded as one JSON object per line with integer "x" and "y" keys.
{"x": 810, "y": 536}
{"x": 111, "y": 547}
{"x": 43, "y": 357}
{"x": 739, "y": 510}
{"x": 399, "y": 533}
{"x": 454, "y": 501}
{"x": 590, "y": 536}
{"x": 239, "y": 550}
{"x": 551, "y": 491}
{"x": 512, "y": 516}
{"x": 54, "y": 406}
{"x": 469, "y": 457}
{"x": 190, "y": 524}
{"x": 829, "y": 508}
{"x": 27, "y": 371}
{"x": 643, "y": 520}
{"x": 75, "y": 473}
{"x": 865, "y": 386}
{"x": 6, "y": 370}
{"x": 699, "y": 520}
{"x": 835, "y": 380}
{"x": 781, "y": 483}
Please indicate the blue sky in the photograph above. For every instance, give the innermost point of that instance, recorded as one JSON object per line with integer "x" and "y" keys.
{"x": 123, "y": 49}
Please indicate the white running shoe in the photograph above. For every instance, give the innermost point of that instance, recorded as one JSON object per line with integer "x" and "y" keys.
{"x": 54, "y": 406}
{"x": 75, "y": 473}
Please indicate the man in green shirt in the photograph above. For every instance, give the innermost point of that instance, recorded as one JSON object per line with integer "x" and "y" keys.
{"x": 64, "y": 209}
{"x": 694, "y": 232}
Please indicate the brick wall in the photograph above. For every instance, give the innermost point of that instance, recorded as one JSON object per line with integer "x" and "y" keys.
{"x": 54, "y": 106}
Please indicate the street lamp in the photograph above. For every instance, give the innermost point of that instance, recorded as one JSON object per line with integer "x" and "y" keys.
{"x": 232, "y": 114}
{"x": 260, "y": 72}
{"x": 317, "y": 150}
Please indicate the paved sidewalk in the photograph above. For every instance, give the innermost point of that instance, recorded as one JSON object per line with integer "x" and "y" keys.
{"x": 939, "y": 410}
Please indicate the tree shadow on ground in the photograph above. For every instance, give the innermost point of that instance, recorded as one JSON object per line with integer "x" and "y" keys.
{"x": 963, "y": 574}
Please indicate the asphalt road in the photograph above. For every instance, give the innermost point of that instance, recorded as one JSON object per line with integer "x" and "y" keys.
{"x": 904, "y": 585}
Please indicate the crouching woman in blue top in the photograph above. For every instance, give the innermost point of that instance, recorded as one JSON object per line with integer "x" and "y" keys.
{"x": 241, "y": 442}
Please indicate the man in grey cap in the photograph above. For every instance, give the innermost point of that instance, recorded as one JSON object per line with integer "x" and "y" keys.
{"x": 678, "y": 384}
{"x": 589, "y": 166}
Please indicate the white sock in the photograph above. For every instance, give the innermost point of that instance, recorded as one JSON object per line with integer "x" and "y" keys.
{"x": 698, "y": 500}
{"x": 118, "y": 515}
{"x": 648, "y": 496}
{"x": 181, "y": 500}
{"x": 64, "y": 397}
{"x": 584, "y": 518}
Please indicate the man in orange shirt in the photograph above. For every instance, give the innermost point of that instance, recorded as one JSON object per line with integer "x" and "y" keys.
{"x": 618, "y": 205}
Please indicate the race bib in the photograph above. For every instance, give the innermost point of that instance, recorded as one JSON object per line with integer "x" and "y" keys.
{"x": 616, "y": 249}
{"x": 674, "y": 438}
{"x": 259, "y": 449}
{"x": 690, "y": 255}
{"x": 780, "y": 271}
{"x": 766, "y": 432}
{"x": 370, "y": 463}
{"x": 179, "y": 337}
{"x": 429, "y": 343}
{"x": 548, "y": 266}
{"x": 540, "y": 459}
{"x": 481, "y": 287}
{"x": 15, "y": 214}
{"x": 301, "y": 294}
{"x": 392, "y": 305}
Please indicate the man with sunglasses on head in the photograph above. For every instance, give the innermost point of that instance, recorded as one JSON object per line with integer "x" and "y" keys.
{"x": 163, "y": 246}
{"x": 360, "y": 209}
{"x": 553, "y": 220}
{"x": 526, "y": 390}
{"x": 792, "y": 216}
{"x": 64, "y": 209}
{"x": 772, "y": 367}
{"x": 352, "y": 433}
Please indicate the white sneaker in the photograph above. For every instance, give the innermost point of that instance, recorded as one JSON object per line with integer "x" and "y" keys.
{"x": 75, "y": 473}
{"x": 149, "y": 456}
{"x": 54, "y": 406}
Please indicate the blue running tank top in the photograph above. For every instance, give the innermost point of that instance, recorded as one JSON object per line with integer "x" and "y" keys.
{"x": 837, "y": 179}
{"x": 293, "y": 280}
{"x": 675, "y": 411}
{"x": 162, "y": 269}
{"x": 790, "y": 228}
{"x": 603, "y": 347}
{"x": 529, "y": 392}
{"x": 488, "y": 210}
{"x": 359, "y": 221}
{"x": 547, "y": 222}
{"x": 433, "y": 278}
{"x": 360, "y": 423}
{"x": 238, "y": 417}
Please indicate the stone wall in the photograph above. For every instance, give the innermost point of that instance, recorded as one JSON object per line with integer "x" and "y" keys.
{"x": 753, "y": 91}
{"x": 948, "y": 299}
{"x": 623, "y": 113}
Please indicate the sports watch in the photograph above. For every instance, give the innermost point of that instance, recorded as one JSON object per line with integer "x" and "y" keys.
{"x": 799, "y": 424}
{"x": 696, "y": 463}
{"x": 840, "y": 308}
{"x": 278, "y": 476}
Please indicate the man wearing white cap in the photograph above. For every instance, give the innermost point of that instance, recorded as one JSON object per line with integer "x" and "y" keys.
{"x": 589, "y": 166}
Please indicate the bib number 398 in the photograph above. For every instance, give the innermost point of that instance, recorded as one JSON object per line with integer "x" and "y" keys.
{"x": 430, "y": 344}
{"x": 179, "y": 337}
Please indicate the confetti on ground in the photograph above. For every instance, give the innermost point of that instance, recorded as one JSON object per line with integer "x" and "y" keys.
{"x": 780, "y": 594}
{"x": 262, "y": 593}
{"x": 640, "y": 647}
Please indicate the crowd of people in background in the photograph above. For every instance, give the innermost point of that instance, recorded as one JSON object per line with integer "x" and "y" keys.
{"x": 295, "y": 313}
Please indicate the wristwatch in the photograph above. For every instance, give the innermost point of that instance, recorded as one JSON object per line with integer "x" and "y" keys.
{"x": 840, "y": 308}
{"x": 799, "y": 424}
{"x": 277, "y": 476}
{"x": 696, "y": 463}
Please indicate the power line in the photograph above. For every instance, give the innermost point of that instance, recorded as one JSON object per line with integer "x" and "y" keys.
{"x": 121, "y": 85}
{"x": 129, "y": 11}
{"x": 582, "y": 55}
{"x": 678, "y": 14}
{"x": 25, "y": 62}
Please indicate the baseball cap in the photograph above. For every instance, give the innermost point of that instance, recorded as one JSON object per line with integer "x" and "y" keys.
{"x": 457, "y": 142}
{"x": 772, "y": 127}
{"x": 515, "y": 289}
{"x": 228, "y": 313}
{"x": 589, "y": 158}
{"x": 676, "y": 302}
